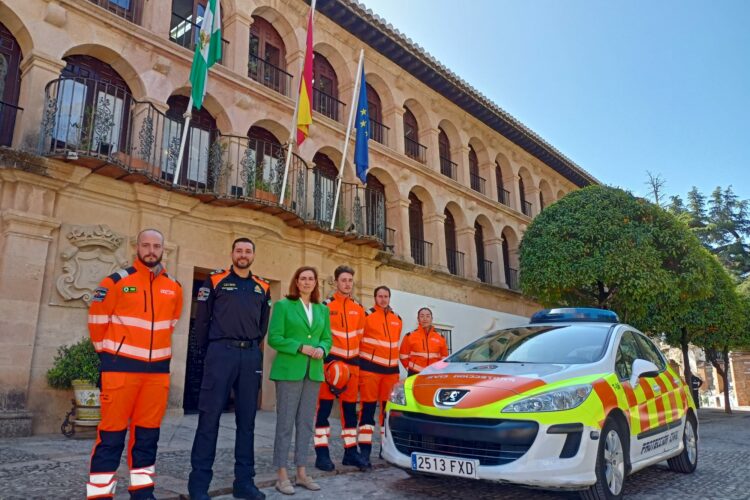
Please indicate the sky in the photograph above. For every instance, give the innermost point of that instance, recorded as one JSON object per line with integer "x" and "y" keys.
{"x": 620, "y": 87}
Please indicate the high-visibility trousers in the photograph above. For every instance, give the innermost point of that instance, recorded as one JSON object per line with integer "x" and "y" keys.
{"x": 134, "y": 402}
{"x": 373, "y": 388}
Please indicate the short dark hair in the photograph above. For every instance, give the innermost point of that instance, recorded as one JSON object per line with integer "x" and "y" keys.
{"x": 243, "y": 240}
{"x": 426, "y": 309}
{"x": 381, "y": 287}
{"x": 341, "y": 270}
{"x": 294, "y": 289}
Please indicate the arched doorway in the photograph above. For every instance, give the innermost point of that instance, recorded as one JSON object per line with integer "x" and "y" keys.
{"x": 202, "y": 133}
{"x": 10, "y": 82}
{"x": 376, "y": 220}
{"x": 324, "y": 187}
{"x": 325, "y": 88}
{"x": 267, "y": 62}
{"x": 419, "y": 247}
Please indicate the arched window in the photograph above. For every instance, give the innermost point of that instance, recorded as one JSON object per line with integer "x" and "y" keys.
{"x": 187, "y": 18}
{"x": 267, "y": 62}
{"x": 375, "y": 207}
{"x": 325, "y": 88}
{"x": 541, "y": 200}
{"x": 455, "y": 258}
{"x": 92, "y": 108}
{"x": 10, "y": 82}
{"x": 447, "y": 167}
{"x": 482, "y": 267}
{"x": 503, "y": 196}
{"x": 416, "y": 231}
{"x": 525, "y": 205}
{"x": 475, "y": 180}
{"x": 375, "y": 110}
{"x": 324, "y": 188}
{"x": 508, "y": 272}
{"x": 412, "y": 147}
{"x": 268, "y": 161}
{"x": 202, "y": 132}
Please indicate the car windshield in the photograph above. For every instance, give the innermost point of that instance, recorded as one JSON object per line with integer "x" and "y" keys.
{"x": 563, "y": 344}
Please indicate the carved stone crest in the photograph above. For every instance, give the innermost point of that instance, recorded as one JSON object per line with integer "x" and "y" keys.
{"x": 92, "y": 253}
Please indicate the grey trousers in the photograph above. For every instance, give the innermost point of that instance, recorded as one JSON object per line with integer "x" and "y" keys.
{"x": 296, "y": 403}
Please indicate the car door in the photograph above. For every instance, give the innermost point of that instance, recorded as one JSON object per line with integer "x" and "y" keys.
{"x": 627, "y": 352}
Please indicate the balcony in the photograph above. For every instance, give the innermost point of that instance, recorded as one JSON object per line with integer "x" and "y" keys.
{"x": 269, "y": 75}
{"x": 485, "y": 272}
{"x": 99, "y": 126}
{"x": 477, "y": 183}
{"x": 503, "y": 196}
{"x": 185, "y": 32}
{"x": 8, "y": 114}
{"x": 526, "y": 208}
{"x": 511, "y": 278}
{"x": 415, "y": 150}
{"x": 448, "y": 168}
{"x": 421, "y": 251}
{"x": 327, "y": 105}
{"x": 390, "y": 239}
{"x": 455, "y": 262}
{"x": 378, "y": 132}
{"x": 130, "y": 10}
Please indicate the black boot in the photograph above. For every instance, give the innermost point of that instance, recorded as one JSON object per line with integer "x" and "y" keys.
{"x": 351, "y": 457}
{"x": 364, "y": 453}
{"x": 323, "y": 459}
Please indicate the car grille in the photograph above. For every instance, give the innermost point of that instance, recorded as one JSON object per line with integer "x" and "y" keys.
{"x": 493, "y": 441}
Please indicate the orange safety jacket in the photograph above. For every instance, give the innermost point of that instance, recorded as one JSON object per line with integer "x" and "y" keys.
{"x": 378, "y": 351}
{"x": 420, "y": 350}
{"x": 347, "y": 326}
{"x": 131, "y": 318}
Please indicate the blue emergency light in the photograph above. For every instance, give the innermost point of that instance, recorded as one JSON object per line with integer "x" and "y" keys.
{"x": 575, "y": 314}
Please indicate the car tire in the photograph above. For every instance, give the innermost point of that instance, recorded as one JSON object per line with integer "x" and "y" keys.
{"x": 687, "y": 461}
{"x": 611, "y": 465}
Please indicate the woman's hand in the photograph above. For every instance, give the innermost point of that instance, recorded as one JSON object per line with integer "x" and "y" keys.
{"x": 307, "y": 350}
{"x": 317, "y": 353}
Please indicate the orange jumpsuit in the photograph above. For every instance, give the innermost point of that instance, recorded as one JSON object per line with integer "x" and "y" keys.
{"x": 419, "y": 349}
{"x": 378, "y": 364}
{"x": 131, "y": 318}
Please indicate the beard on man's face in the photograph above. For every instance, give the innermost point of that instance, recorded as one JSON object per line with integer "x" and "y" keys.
{"x": 242, "y": 262}
{"x": 150, "y": 259}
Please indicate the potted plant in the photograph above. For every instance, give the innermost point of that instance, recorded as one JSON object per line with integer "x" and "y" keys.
{"x": 77, "y": 367}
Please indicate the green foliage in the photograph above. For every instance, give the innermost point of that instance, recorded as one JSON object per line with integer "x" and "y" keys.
{"x": 602, "y": 247}
{"x": 75, "y": 362}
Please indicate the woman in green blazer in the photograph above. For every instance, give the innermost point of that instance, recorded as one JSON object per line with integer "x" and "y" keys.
{"x": 300, "y": 331}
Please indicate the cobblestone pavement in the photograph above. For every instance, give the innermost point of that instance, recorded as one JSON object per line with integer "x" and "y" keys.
{"x": 55, "y": 467}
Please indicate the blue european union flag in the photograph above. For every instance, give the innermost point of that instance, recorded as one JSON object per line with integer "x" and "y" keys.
{"x": 362, "y": 124}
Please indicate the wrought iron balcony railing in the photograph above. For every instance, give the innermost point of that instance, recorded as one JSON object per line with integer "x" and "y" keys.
{"x": 185, "y": 32}
{"x": 526, "y": 208}
{"x": 485, "y": 272}
{"x": 511, "y": 278}
{"x": 101, "y": 126}
{"x": 415, "y": 150}
{"x": 378, "y": 132}
{"x": 448, "y": 168}
{"x": 130, "y": 10}
{"x": 8, "y": 114}
{"x": 477, "y": 183}
{"x": 269, "y": 75}
{"x": 503, "y": 196}
{"x": 455, "y": 262}
{"x": 421, "y": 252}
{"x": 327, "y": 105}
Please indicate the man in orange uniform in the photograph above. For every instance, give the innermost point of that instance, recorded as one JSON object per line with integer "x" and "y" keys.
{"x": 423, "y": 346}
{"x": 347, "y": 327}
{"x": 131, "y": 318}
{"x": 378, "y": 365}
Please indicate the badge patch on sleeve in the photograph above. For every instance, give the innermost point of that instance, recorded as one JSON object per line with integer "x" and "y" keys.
{"x": 203, "y": 293}
{"x": 99, "y": 294}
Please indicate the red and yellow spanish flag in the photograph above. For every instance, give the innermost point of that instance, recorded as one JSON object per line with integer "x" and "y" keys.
{"x": 304, "y": 110}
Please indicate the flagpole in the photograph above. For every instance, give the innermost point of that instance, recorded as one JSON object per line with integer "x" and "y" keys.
{"x": 188, "y": 115}
{"x": 352, "y": 112}
{"x": 293, "y": 135}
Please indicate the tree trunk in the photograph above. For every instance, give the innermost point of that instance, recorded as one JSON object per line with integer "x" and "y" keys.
{"x": 725, "y": 376}
{"x": 686, "y": 357}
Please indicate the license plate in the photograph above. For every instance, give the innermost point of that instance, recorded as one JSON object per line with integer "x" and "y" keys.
{"x": 450, "y": 466}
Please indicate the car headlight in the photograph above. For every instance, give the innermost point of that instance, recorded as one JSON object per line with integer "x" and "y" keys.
{"x": 558, "y": 400}
{"x": 398, "y": 394}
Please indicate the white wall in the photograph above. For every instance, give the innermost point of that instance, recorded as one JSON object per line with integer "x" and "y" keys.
{"x": 468, "y": 323}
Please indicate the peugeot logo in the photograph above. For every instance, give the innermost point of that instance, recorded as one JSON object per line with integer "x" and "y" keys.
{"x": 449, "y": 397}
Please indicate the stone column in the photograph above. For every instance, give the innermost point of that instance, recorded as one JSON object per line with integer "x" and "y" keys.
{"x": 394, "y": 118}
{"x": 490, "y": 184}
{"x": 493, "y": 250}
{"x": 435, "y": 232}
{"x": 36, "y": 71}
{"x": 403, "y": 235}
{"x": 157, "y": 17}
{"x": 465, "y": 240}
{"x": 460, "y": 156}
{"x": 511, "y": 184}
{"x": 25, "y": 236}
{"x": 430, "y": 138}
{"x": 532, "y": 196}
{"x": 236, "y": 31}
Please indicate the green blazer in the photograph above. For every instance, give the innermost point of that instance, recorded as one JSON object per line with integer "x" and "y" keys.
{"x": 289, "y": 330}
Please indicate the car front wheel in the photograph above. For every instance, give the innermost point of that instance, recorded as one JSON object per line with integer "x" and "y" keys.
{"x": 687, "y": 461}
{"x": 610, "y": 465}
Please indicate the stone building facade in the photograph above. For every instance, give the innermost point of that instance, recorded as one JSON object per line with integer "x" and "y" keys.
{"x": 92, "y": 102}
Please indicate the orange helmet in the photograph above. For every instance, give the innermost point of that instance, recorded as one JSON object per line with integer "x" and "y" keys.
{"x": 337, "y": 376}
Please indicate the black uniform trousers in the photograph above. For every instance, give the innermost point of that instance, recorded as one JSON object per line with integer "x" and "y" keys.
{"x": 228, "y": 365}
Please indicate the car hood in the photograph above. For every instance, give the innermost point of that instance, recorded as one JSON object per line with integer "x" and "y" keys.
{"x": 484, "y": 383}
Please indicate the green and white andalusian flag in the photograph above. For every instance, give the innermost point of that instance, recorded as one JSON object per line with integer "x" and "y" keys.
{"x": 207, "y": 51}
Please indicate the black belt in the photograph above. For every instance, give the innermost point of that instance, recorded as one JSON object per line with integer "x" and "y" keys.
{"x": 240, "y": 344}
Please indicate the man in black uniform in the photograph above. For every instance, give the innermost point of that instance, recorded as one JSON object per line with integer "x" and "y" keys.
{"x": 233, "y": 311}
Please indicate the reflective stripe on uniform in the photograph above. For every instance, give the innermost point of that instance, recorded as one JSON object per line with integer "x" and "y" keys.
{"x": 321, "y": 436}
{"x": 98, "y": 319}
{"x": 140, "y": 478}
{"x": 136, "y": 352}
{"x": 101, "y": 485}
{"x": 349, "y": 436}
{"x": 142, "y": 323}
{"x": 381, "y": 343}
{"x": 365, "y": 434}
{"x": 379, "y": 360}
{"x": 337, "y": 351}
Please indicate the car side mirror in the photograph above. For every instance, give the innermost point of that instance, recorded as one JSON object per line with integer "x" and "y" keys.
{"x": 642, "y": 368}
